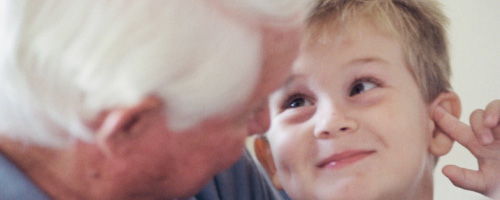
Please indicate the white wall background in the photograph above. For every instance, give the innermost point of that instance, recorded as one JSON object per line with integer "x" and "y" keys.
{"x": 475, "y": 58}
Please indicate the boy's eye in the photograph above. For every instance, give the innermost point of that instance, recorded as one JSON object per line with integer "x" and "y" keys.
{"x": 362, "y": 86}
{"x": 296, "y": 101}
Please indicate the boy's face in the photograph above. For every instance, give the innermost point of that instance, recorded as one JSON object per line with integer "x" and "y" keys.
{"x": 352, "y": 123}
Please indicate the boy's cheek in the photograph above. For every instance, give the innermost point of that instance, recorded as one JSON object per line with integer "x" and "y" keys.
{"x": 284, "y": 154}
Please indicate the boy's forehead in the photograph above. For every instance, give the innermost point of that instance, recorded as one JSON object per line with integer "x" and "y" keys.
{"x": 360, "y": 42}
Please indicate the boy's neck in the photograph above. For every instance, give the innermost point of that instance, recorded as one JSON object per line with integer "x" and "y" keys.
{"x": 424, "y": 188}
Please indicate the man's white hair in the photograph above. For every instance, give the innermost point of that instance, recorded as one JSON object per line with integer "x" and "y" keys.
{"x": 63, "y": 62}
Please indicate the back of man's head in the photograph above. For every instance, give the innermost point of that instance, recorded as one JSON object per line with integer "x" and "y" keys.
{"x": 63, "y": 62}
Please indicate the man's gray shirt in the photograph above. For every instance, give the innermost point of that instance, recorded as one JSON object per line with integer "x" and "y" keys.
{"x": 15, "y": 185}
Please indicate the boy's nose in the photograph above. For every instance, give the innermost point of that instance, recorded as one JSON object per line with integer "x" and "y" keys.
{"x": 333, "y": 123}
{"x": 259, "y": 121}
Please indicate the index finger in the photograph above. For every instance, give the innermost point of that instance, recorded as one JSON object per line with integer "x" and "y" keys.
{"x": 456, "y": 129}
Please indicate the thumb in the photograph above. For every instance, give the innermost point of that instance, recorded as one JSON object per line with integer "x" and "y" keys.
{"x": 465, "y": 178}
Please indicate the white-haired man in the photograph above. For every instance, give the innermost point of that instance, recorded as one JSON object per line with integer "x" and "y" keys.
{"x": 135, "y": 99}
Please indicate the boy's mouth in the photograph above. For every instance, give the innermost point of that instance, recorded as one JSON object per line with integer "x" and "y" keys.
{"x": 345, "y": 158}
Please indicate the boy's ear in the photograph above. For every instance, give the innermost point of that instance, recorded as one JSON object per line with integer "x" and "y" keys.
{"x": 118, "y": 123}
{"x": 265, "y": 157}
{"x": 441, "y": 143}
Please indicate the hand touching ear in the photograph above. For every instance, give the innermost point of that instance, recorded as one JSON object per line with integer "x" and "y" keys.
{"x": 482, "y": 140}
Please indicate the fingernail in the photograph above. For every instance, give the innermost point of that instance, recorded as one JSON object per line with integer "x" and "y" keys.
{"x": 487, "y": 138}
{"x": 490, "y": 120}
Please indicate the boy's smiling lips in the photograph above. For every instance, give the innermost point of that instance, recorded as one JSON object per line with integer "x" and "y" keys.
{"x": 339, "y": 160}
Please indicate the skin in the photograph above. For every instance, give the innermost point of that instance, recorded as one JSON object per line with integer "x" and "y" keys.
{"x": 354, "y": 94}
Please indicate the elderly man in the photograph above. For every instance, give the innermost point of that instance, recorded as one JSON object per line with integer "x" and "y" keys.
{"x": 135, "y": 99}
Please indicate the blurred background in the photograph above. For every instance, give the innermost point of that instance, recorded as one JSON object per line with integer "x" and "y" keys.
{"x": 474, "y": 33}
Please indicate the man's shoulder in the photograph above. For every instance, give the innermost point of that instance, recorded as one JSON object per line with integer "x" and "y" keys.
{"x": 14, "y": 184}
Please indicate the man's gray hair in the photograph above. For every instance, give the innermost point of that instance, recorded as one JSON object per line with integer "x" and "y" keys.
{"x": 63, "y": 62}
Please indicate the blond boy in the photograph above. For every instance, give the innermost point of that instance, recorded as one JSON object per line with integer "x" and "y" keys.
{"x": 361, "y": 116}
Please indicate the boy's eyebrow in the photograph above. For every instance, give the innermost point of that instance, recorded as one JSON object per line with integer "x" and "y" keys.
{"x": 365, "y": 60}
{"x": 291, "y": 80}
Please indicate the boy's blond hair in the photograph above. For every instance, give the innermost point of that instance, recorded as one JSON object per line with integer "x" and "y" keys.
{"x": 419, "y": 26}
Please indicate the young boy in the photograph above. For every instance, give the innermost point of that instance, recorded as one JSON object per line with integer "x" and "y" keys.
{"x": 356, "y": 120}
